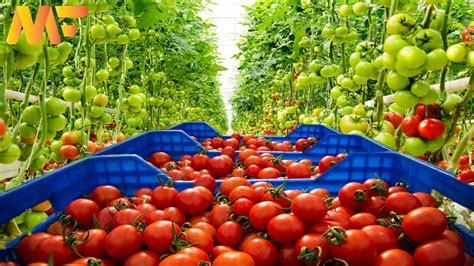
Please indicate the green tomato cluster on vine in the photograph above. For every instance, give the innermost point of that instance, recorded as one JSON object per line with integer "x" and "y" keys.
{"x": 9, "y": 151}
{"x": 108, "y": 30}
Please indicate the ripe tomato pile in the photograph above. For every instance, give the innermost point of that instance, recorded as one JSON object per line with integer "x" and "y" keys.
{"x": 249, "y": 141}
{"x": 366, "y": 224}
{"x": 249, "y": 164}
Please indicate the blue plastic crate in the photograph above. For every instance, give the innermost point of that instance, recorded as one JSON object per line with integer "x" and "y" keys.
{"x": 130, "y": 172}
{"x": 202, "y": 130}
{"x": 176, "y": 143}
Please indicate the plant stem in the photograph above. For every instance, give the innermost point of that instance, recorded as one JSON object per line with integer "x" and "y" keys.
{"x": 444, "y": 36}
{"x": 379, "y": 95}
{"x": 427, "y": 19}
{"x": 461, "y": 147}
{"x": 88, "y": 48}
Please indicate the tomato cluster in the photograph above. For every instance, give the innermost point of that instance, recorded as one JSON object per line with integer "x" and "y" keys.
{"x": 249, "y": 141}
{"x": 249, "y": 164}
{"x": 366, "y": 224}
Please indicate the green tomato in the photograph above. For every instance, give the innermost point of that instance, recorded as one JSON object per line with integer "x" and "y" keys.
{"x": 378, "y": 62}
{"x": 387, "y": 127}
{"x": 32, "y": 115}
{"x": 24, "y": 61}
{"x": 5, "y": 142}
{"x": 34, "y": 218}
{"x": 359, "y": 110}
{"x": 388, "y": 61}
{"x": 114, "y": 62}
{"x": 345, "y": 10}
{"x": 355, "y": 58}
{"x": 411, "y": 57}
{"x": 352, "y": 36}
{"x": 430, "y": 98}
{"x": 434, "y": 145}
{"x": 327, "y": 72}
{"x": 134, "y": 89}
{"x": 436, "y": 60}
{"x": 56, "y": 145}
{"x": 400, "y": 24}
{"x": 123, "y": 39}
{"x": 71, "y": 94}
{"x": 420, "y": 88}
{"x": 91, "y": 92}
{"x": 134, "y": 34}
{"x": 39, "y": 162}
{"x": 10, "y": 155}
{"x": 428, "y": 39}
{"x": 386, "y": 139}
{"x": 414, "y": 146}
{"x": 452, "y": 100}
{"x": 393, "y": 44}
{"x": 364, "y": 69}
{"x": 397, "y": 108}
{"x": 57, "y": 123}
{"x": 470, "y": 58}
{"x": 407, "y": 72}
{"x": 24, "y": 47}
{"x": 26, "y": 130}
{"x": 96, "y": 111}
{"x": 106, "y": 118}
{"x": 360, "y": 8}
{"x": 98, "y": 31}
{"x": 347, "y": 110}
{"x": 456, "y": 53}
{"x": 359, "y": 80}
{"x": 55, "y": 106}
{"x": 405, "y": 99}
{"x": 328, "y": 31}
{"x": 113, "y": 30}
{"x": 396, "y": 81}
{"x": 347, "y": 83}
{"x": 101, "y": 100}
{"x": 314, "y": 67}
{"x": 65, "y": 48}
{"x": 342, "y": 101}
{"x": 78, "y": 124}
{"x": 329, "y": 120}
{"x": 135, "y": 100}
{"x": 101, "y": 75}
{"x": 341, "y": 31}
{"x": 349, "y": 123}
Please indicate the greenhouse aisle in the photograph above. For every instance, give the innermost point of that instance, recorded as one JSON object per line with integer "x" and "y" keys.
{"x": 228, "y": 16}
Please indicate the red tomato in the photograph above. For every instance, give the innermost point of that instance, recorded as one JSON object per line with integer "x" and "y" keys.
{"x": 262, "y": 212}
{"x": 395, "y": 118}
{"x": 158, "y": 159}
{"x": 192, "y": 201}
{"x": 468, "y": 34}
{"x": 127, "y": 216}
{"x": 163, "y": 197}
{"x": 123, "y": 241}
{"x": 180, "y": 260}
{"x": 94, "y": 246}
{"x": 395, "y": 189}
{"x": 143, "y": 258}
{"x": 229, "y": 151}
{"x": 245, "y": 192}
{"x": 376, "y": 206}
{"x": 146, "y": 208}
{"x": 69, "y": 152}
{"x": 3, "y": 128}
{"x": 362, "y": 219}
{"x": 82, "y": 210}
{"x": 219, "y": 214}
{"x": 242, "y": 206}
{"x": 438, "y": 252}
{"x": 423, "y": 224}
{"x": 62, "y": 252}
{"x": 229, "y": 234}
{"x": 27, "y": 246}
{"x": 232, "y": 182}
{"x": 402, "y": 203}
{"x": 158, "y": 236}
{"x": 453, "y": 237}
{"x": 357, "y": 249}
{"x": 268, "y": 173}
{"x": 431, "y": 128}
{"x": 321, "y": 192}
{"x": 196, "y": 253}
{"x": 175, "y": 215}
{"x": 298, "y": 170}
{"x": 206, "y": 227}
{"x": 243, "y": 155}
{"x": 287, "y": 256}
{"x": 157, "y": 215}
{"x": 206, "y": 181}
{"x": 466, "y": 176}
{"x": 233, "y": 258}
{"x": 312, "y": 241}
{"x": 394, "y": 257}
{"x": 426, "y": 199}
{"x": 327, "y": 162}
{"x": 143, "y": 191}
{"x": 217, "y": 250}
{"x": 262, "y": 251}
{"x": 302, "y": 144}
{"x": 382, "y": 237}
{"x": 285, "y": 228}
{"x": 199, "y": 161}
{"x": 199, "y": 238}
{"x": 376, "y": 187}
{"x": 102, "y": 195}
{"x": 410, "y": 125}
{"x": 352, "y": 195}
{"x": 309, "y": 208}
